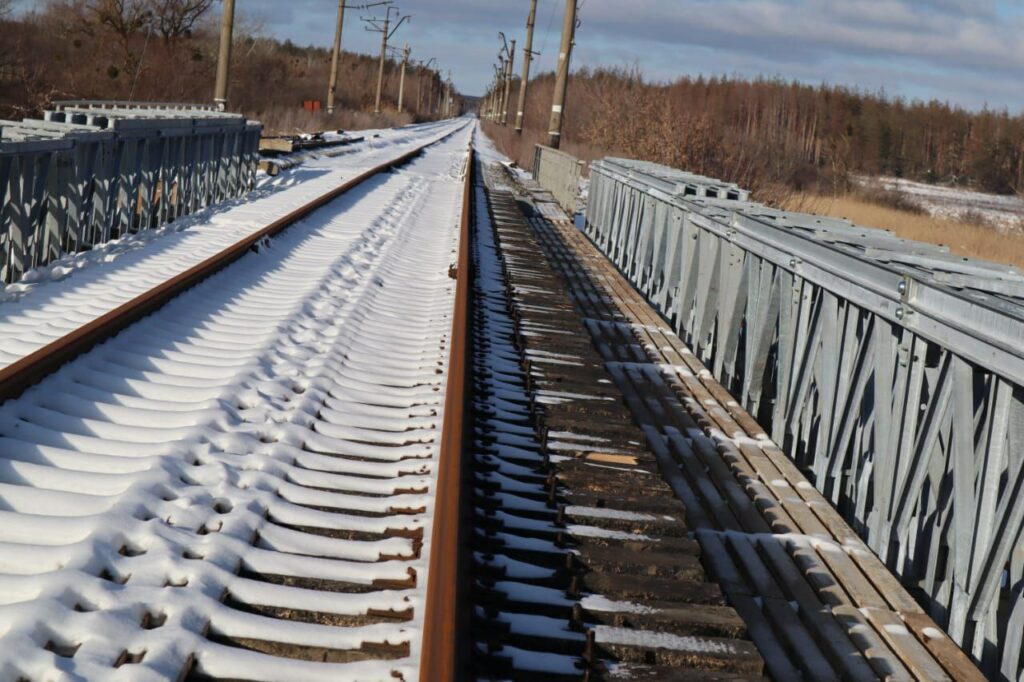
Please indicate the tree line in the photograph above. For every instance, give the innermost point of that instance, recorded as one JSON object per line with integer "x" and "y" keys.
{"x": 766, "y": 133}
{"x": 166, "y": 50}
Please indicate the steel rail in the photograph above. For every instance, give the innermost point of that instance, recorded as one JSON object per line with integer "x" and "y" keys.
{"x": 442, "y": 657}
{"x": 20, "y": 375}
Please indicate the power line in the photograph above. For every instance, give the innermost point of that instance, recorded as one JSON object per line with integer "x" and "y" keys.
{"x": 547, "y": 32}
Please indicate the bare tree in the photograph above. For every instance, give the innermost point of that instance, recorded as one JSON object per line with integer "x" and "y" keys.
{"x": 5, "y": 7}
{"x": 123, "y": 17}
{"x": 175, "y": 19}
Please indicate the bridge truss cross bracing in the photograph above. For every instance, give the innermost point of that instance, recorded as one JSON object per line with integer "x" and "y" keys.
{"x": 94, "y": 171}
{"x": 891, "y": 371}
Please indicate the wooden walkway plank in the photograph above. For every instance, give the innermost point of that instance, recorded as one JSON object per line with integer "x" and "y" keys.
{"x": 831, "y": 577}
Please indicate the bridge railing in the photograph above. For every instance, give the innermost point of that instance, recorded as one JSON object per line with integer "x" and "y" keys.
{"x": 94, "y": 171}
{"x": 891, "y": 371}
{"x": 558, "y": 173}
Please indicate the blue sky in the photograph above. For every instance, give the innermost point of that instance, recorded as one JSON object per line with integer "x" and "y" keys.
{"x": 969, "y": 52}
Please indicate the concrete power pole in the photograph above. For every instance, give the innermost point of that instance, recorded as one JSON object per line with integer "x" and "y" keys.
{"x": 401, "y": 81}
{"x": 500, "y": 88}
{"x": 499, "y": 79}
{"x": 527, "y": 58}
{"x": 448, "y": 97}
{"x": 227, "y": 24}
{"x": 385, "y": 35}
{"x": 424, "y": 66}
{"x": 506, "y": 96}
{"x": 332, "y": 85}
{"x": 383, "y": 56}
{"x": 562, "y": 75}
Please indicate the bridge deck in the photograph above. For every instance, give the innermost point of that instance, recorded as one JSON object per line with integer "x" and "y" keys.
{"x": 584, "y": 564}
{"x": 816, "y": 602}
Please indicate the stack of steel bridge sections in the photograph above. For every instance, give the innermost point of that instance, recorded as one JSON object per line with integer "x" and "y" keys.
{"x": 890, "y": 371}
{"x": 94, "y": 171}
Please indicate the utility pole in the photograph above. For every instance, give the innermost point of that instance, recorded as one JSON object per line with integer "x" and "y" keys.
{"x": 562, "y": 75}
{"x": 401, "y": 82}
{"x": 448, "y": 97}
{"x": 506, "y": 95}
{"x": 495, "y": 103}
{"x": 385, "y": 35}
{"x": 496, "y": 96}
{"x": 227, "y": 24}
{"x": 527, "y": 58}
{"x": 332, "y": 85}
{"x": 383, "y": 56}
{"x": 501, "y": 87}
{"x": 430, "y": 93}
{"x": 424, "y": 66}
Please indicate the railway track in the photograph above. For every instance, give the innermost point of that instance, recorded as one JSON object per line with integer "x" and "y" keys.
{"x": 54, "y": 305}
{"x": 401, "y": 427}
{"x": 583, "y": 564}
{"x": 239, "y": 485}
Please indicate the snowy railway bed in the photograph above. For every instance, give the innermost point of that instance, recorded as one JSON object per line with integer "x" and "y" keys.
{"x": 53, "y": 306}
{"x": 239, "y": 485}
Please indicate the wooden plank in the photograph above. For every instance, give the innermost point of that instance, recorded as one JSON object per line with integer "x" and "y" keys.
{"x": 820, "y": 621}
{"x": 837, "y": 569}
{"x": 875, "y": 649}
{"x": 946, "y": 652}
{"x": 915, "y": 655}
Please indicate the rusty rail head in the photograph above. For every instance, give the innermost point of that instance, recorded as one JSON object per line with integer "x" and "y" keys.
{"x": 20, "y": 375}
{"x": 443, "y": 655}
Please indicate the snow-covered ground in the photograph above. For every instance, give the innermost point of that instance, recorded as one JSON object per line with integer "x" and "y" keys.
{"x": 52, "y": 301}
{"x": 299, "y": 388}
{"x": 1005, "y": 213}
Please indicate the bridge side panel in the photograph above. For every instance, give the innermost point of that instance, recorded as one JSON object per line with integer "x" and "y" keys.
{"x": 919, "y": 447}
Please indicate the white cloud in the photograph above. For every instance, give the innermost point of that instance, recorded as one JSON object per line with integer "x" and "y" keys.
{"x": 967, "y": 51}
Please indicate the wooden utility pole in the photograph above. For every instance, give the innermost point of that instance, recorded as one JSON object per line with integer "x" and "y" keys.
{"x": 401, "y": 81}
{"x": 562, "y": 75}
{"x": 506, "y": 96}
{"x": 227, "y": 24}
{"x": 527, "y": 58}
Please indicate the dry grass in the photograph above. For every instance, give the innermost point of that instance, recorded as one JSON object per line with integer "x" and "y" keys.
{"x": 963, "y": 238}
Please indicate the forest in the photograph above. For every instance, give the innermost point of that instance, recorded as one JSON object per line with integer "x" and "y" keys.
{"x": 166, "y": 50}
{"x": 776, "y": 136}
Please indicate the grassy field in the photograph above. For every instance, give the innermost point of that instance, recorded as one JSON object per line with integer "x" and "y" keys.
{"x": 964, "y": 238}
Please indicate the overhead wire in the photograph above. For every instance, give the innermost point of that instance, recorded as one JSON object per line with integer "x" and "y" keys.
{"x": 547, "y": 32}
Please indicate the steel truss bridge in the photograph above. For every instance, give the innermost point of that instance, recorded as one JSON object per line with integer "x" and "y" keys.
{"x": 891, "y": 372}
